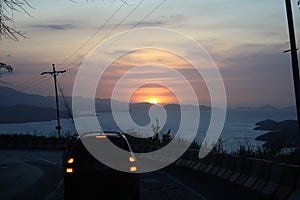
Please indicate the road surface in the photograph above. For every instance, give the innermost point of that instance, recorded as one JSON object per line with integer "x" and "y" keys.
{"x": 37, "y": 175}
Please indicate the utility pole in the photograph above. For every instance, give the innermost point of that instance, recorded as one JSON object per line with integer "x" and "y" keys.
{"x": 294, "y": 57}
{"x": 54, "y": 73}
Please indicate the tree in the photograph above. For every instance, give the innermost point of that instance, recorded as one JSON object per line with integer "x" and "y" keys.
{"x": 6, "y": 67}
{"x": 7, "y": 10}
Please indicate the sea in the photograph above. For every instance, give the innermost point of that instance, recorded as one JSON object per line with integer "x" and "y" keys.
{"x": 238, "y": 129}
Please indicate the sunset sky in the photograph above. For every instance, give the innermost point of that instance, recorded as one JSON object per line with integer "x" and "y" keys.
{"x": 245, "y": 39}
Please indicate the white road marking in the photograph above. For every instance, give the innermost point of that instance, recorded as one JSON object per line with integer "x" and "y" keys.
{"x": 59, "y": 185}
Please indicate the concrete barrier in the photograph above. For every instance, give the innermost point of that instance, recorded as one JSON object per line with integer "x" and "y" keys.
{"x": 179, "y": 161}
{"x": 296, "y": 194}
{"x": 229, "y": 168}
{"x": 224, "y": 166}
{"x": 275, "y": 178}
{"x": 263, "y": 175}
{"x": 205, "y": 162}
{"x": 211, "y": 164}
{"x": 218, "y": 164}
{"x": 186, "y": 158}
{"x": 201, "y": 162}
{"x": 238, "y": 169}
{"x": 287, "y": 183}
{"x": 174, "y": 152}
{"x": 254, "y": 173}
{"x": 193, "y": 158}
{"x": 245, "y": 173}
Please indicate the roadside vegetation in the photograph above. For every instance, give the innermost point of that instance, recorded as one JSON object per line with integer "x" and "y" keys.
{"x": 158, "y": 140}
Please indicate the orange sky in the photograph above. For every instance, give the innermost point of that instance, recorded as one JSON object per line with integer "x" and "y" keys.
{"x": 246, "y": 40}
{"x": 153, "y": 92}
{"x": 155, "y": 76}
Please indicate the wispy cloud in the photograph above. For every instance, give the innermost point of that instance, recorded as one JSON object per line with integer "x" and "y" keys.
{"x": 173, "y": 17}
{"x": 55, "y": 26}
{"x": 154, "y": 23}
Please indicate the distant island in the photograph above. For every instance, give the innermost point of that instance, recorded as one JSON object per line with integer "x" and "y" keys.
{"x": 281, "y": 133}
{"x": 20, "y": 107}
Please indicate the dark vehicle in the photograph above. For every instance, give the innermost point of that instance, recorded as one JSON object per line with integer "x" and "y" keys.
{"x": 87, "y": 178}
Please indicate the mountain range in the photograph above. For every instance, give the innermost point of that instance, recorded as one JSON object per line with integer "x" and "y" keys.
{"x": 17, "y": 106}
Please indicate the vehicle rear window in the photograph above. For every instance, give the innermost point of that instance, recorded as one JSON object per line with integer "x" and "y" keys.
{"x": 79, "y": 150}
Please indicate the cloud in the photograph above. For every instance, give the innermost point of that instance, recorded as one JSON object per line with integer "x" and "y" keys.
{"x": 176, "y": 17}
{"x": 146, "y": 24}
{"x": 258, "y": 74}
{"x": 55, "y": 26}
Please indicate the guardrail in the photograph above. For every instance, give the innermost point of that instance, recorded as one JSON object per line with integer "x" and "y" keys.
{"x": 270, "y": 179}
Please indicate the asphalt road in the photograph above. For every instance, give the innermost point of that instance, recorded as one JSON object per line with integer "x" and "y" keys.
{"x": 29, "y": 174}
{"x": 37, "y": 175}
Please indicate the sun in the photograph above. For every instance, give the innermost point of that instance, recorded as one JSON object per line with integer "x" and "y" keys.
{"x": 153, "y": 101}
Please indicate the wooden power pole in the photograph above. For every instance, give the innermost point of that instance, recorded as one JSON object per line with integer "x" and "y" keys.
{"x": 54, "y": 73}
{"x": 294, "y": 57}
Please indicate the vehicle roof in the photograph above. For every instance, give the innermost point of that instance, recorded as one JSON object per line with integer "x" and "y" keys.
{"x": 109, "y": 134}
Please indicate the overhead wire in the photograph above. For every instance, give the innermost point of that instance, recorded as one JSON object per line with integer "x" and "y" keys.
{"x": 28, "y": 82}
{"x": 65, "y": 101}
{"x": 134, "y": 26}
{"x": 41, "y": 80}
{"x": 138, "y": 23}
{"x": 112, "y": 30}
{"x": 33, "y": 82}
{"x": 115, "y": 27}
{"x": 37, "y": 79}
{"x": 93, "y": 35}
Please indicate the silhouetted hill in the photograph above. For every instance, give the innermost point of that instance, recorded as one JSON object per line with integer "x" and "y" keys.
{"x": 272, "y": 125}
{"x": 248, "y": 108}
{"x": 25, "y": 113}
{"x": 282, "y": 134}
{"x": 11, "y": 97}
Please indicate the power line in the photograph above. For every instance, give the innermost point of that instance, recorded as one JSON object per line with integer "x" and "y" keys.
{"x": 29, "y": 82}
{"x": 37, "y": 79}
{"x": 93, "y": 35}
{"x": 42, "y": 80}
{"x": 146, "y": 16}
{"x": 54, "y": 73}
{"x": 139, "y": 22}
{"x": 114, "y": 28}
{"x": 65, "y": 101}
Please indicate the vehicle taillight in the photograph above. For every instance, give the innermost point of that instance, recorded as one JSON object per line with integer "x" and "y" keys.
{"x": 100, "y": 136}
{"x": 131, "y": 159}
{"x": 69, "y": 169}
{"x": 133, "y": 169}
